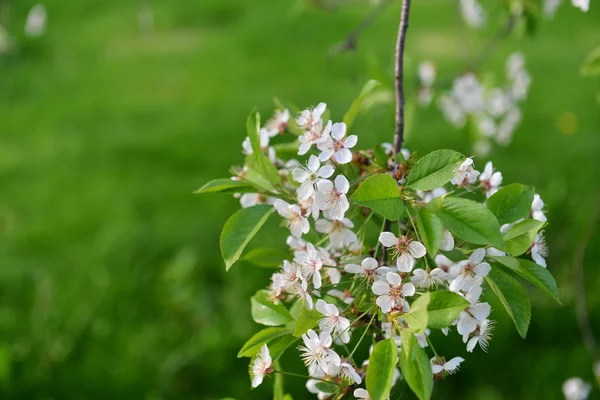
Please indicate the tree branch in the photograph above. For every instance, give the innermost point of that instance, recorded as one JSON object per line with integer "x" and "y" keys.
{"x": 400, "y": 44}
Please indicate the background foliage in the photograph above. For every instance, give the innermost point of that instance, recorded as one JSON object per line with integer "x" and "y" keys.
{"x": 112, "y": 285}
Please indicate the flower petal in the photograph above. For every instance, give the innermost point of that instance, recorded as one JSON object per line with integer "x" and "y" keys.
{"x": 380, "y": 288}
{"x": 388, "y": 239}
{"x": 416, "y": 249}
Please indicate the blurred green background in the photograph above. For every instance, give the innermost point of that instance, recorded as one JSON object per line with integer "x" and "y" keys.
{"x": 111, "y": 281}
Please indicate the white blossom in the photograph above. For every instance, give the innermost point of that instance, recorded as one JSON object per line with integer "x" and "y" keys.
{"x": 287, "y": 277}
{"x": 317, "y": 354}
{"x": 550, "y": 7}
{"x": 361, "y": 393}
{"x": 367, "y": 267}
{"x": 539, "y": 250}
{"x": 296, "y": 223}
{"x": 35, "y": 25}
{"x": 310, "y": 175}
{"x": 300, "y": 290}
{"x": 391, "y": 294}
{"x": 447, "y": 243}
{"x": 576, "y": 389}
{"x": 465, "y": 174}
{"x": 311, "y": 262}
{"x": 278, "y": 123}
{"x": 507, "y": 126}
{"x": 537, "y": 208}
{"x": 429, "y": 195}
{"x": 490, "y": 180}
{"x": 583, "y": 5}
{"x": 427, "y": 73}
{"x": 332, "y": 198}
{"x": 482, "y": 336}
{"x": 470, "y": 272}
{"x": 337, "y": 146}
{"x": 424, "y": 279}
{"x": 440, "y": 365}
{"x": 452, "y": 111}
{"x": 261, "y": 366}
{"x": 264, "y": 139}
{"x": 473, "y": 13}
{"x": 404, "y": 249}
{"x": 468, "y": 92}
{"x": 332, "y": 321}
{"x": 340, "y": 234}
{"x": 345, "y": 296}
{"x": 311, "y": 117}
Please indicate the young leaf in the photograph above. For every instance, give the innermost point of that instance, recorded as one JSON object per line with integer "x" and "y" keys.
{"x": 591, "y": 64}
{"x": 380, "y": 156}
{"x": 380, "y": 372}
{"x": 278, "y": 391}
{"x": 307, "y": 320}
{"x": 253, "y": 345}
{"x": 418, "y": 317}
{"x": 278, "y": 346}
{"x": 434, "y": 170}
{"x": 262, "y": 163}
{"x": 415, "y": 366}
{"x": 266, "y": 257}
{"x": 444, "y": 308}
{"x": 431, "y": 229}
{"x": 537, "y": 275}
{"x": 255, "y": 178}
{"x": 225, "y": 186}
{"x": 468, "y": 220}
{"x": 513, "y": 297}
{"x": 511, "y": 203}
{"x": 380, "y": 194}
{"x": 351, "y": 114}
{"x": 239, "y": 229}
{"x": 265, "y": 312}
{"x": 520, "y": 237}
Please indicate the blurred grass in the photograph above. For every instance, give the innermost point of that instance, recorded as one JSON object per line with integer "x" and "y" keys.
{"x": 112, "y": 284}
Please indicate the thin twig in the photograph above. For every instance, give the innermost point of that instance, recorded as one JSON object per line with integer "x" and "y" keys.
{"x": 400, "y": 45}
{"x": 583, "y": 317}
{"x": 351, "y": 41}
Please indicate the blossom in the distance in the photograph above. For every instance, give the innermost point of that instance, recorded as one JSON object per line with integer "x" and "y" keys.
{"x": 576, "y": 389}
{"x": 296, "y": 223}
{"x": 278, "y": 123}
{"x": 35, "y": 25}
{"x": 470, "y": 272}
{"x": 583, "y": 5}
{"x": 340, "y": 235}
{"x": 452, "y": 111}
{"x": 252, "y": 199}
{"x": 317, "y": 353}
{"x": 490, "y": 180}
{"x": 473, "y": 13}
{"x": 362, "y": 394}
{"x": 550, "y": 7}
{"x": 311, "y": 262}
{"x": 261, "y": 366}
{"x": 315, "y": 135}
{"x": 439, "y": 365}
{"x": 333, "y": 322}
{"x": 264, "y": 139}
{"x": 537, "y": 208}
{"x": 465, "y": 175}
{"x": 310, "y": 175}
{"x": 404, "y": 249}
{"x": 367, "y": 267}
{"x": 482, "y": 336}
{"x": 332, "y": 198}
{"x": 468, "y": 92}
{"x": 392, "y": 293}
{"x": 338, "y": 145}
{"x": 539, "y": 250}
{"x": 427, "y": 73}
{"x": 507, "y": 126}
{"x": 425, "y": 279}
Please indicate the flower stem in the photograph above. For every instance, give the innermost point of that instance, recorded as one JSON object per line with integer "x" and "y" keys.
{"x": 363, "y": 336}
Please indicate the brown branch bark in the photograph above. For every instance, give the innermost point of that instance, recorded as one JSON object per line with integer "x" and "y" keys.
{"x": 400, "y": 46}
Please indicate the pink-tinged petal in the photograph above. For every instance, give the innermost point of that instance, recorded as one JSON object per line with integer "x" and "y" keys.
{"x": 332, "y": 310}
{"x": 405, "y": 262}
{"x": 416, "y": 249}
{"x": 380, "y": 288}
{"x": 408, "y": 289}
{"x": 369, "y": 263}
{"x": 323, "y": 226}
{"x": 393, "y": 279}
{"x": 338, "y": 130}
{"x": 343, "y": 156}
{"x": 353, "y": 269}
{"x": 342, "y": 184}
{"x": 317, "y": 280}
{"x": 477, "y": 256}
{"x": 496, "y": 179}
{"x": 385, "y": 303}
{"x": 482, "y": 269}
{"x": 350, "y": 141}
{"x": 326, "y": 154}
{"x": 321, "y": 306}
{"x": 388, "y": 239}
{"x": 304, "y": 225}
{"x": 325, "y": 171}
{"x": 325, "y": 186}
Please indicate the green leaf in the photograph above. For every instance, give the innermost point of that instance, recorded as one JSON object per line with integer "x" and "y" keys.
{"x": 253, "y": 345}
{"x": 278, "y": 346}
{"x": 418, "y": 317}
{"x": 444, "y": 308}
{"x": 351, "y": 114}
{"x": 325, "y": 387}
{"x": 434, "y": 169}
{"x": 468, "y": 220}
{"x": 520, "y": 237}
{"x": 415, "y": 366}
{"x": 431, "y": 230}
{"x": 266, "y": 257}
{"x": 239, "y": 229}
{"x": 513, "y": 297}
{"x": 380, "y": 372}
{"x": 591, "y": 64}
{"x": 290, "y": 148}
{"x": 255, "y": 178}
{"x": 265, "y": 312}
{"x": 307, "y": 320}
{"x": 537, "y": 275}
{"x": 263, "y": 165}
{"x": 380, "y": 194}
{"x": 511, "y": 203}
{"x": 381, "y": 156}
{"x": 225, "y": 186}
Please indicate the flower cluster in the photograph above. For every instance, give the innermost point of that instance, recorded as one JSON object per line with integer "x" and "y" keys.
{"x": 371, "y": 247}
